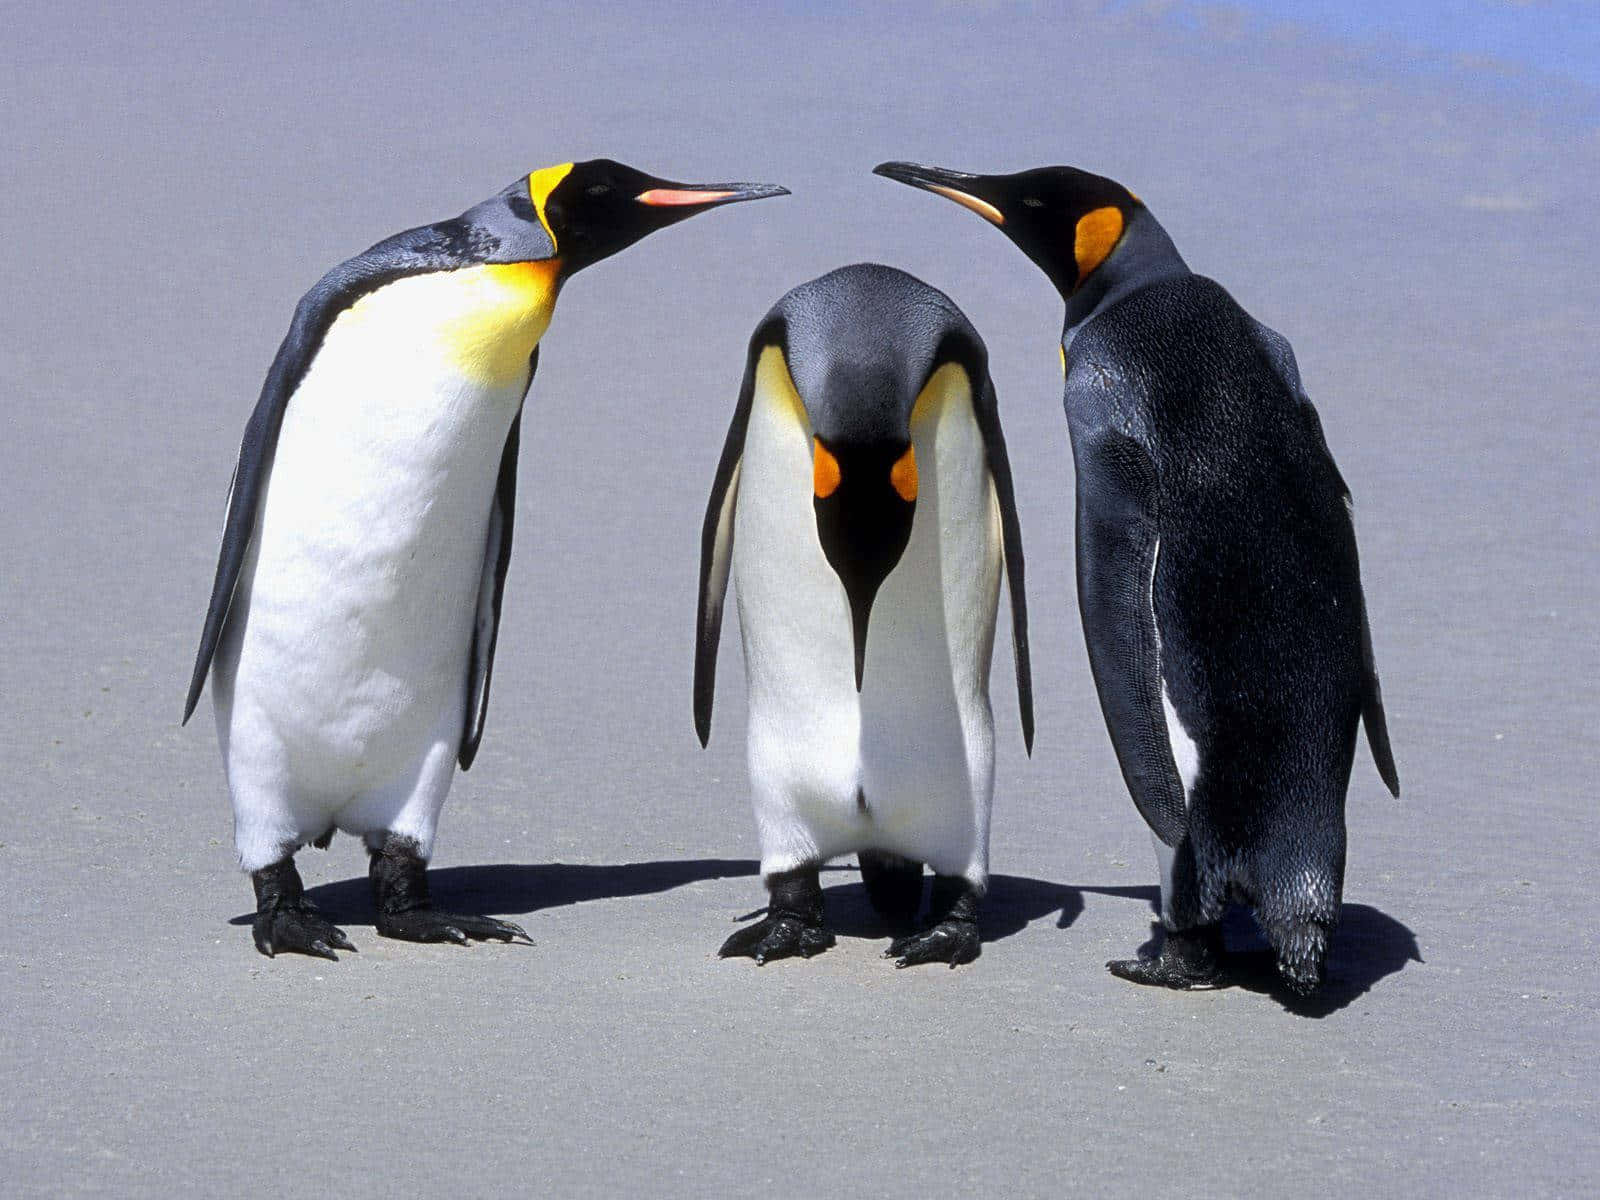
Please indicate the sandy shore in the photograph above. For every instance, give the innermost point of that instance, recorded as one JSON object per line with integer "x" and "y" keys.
{"x": 1428, "y": 244}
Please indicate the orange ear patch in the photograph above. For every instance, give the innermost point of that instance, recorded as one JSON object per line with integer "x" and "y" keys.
{"x": 903, "y": 475}
{"x": 1097, "y": 236}
{"x": 824, "y": 471}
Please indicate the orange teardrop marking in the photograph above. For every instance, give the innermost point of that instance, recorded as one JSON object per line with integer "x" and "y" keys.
{"x": 904, "y": 475}
{"x": 1097, "y": 236}
{"x": 824, "y": 471}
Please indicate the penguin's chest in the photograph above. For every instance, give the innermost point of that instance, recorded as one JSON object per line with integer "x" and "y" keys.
{"x": 915, "y": 740}
{"x": 369, "y": 547}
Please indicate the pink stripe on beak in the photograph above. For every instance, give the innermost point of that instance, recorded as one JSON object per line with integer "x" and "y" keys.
{"x": 665, "y": 197}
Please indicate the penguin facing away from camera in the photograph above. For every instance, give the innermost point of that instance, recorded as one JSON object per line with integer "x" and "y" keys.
{"x": 1218, "y": 580}
{"x": 351, "y": 631}
{"x": 863, "y": 509}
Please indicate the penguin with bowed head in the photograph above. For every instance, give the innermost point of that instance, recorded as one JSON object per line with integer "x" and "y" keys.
{"x": 1217, "y": 574}
{"x": 863, "y": 509}
{"x": 351, "y": 631}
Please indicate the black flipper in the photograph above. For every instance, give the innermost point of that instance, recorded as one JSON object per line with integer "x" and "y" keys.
{"x": 492, "y": 587}
{"x": 1281, "y": 354}
{"x": 249, "y": 475}
{"x": 716, "y": 535}
{"x": 987, "y": 409}
{"x": 1118, "y": 544}
{"x": 439, "y": 247}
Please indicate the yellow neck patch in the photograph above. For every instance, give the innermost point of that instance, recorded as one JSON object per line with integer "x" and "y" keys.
{"x": 507, "y": 308}
{"x": 540, "y": 184}
{"x": 1096, "y": 237}
{"x": 948, "y": 381}
{"x": 483, "y": 321}
{"x": 773, "y": 378}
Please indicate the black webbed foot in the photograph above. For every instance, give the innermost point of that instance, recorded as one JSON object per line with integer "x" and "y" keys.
{"x": 299, "y": 930}
{"x": 953, "y": 942}
{"x": 1188, "y": 959}
{"x": 431, "y": 925}
{"x": 400, "y": 890}
{"x": 286, "y": 921}
{"x": 773, "y": 937}
{"x": 952, "y": 934}
{"x": 792, "y": 926}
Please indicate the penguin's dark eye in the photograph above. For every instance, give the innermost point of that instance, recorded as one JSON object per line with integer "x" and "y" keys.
{"x": 598, "y": 189}
{"x": 1033, "y": 202}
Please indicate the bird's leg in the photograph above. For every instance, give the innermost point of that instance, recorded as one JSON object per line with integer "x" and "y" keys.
{"x": 1189, "y": 958}
{"x": 286, "y": 920}
{"x": 951, "y": 935}
{"x": 793, "y": 924}
{"x": 399, "y": 877}
{"x": 1191, "y": 949}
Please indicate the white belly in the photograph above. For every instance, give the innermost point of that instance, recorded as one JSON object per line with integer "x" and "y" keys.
{"x": 906, "y": 765}
{"x": 345, "y": 655}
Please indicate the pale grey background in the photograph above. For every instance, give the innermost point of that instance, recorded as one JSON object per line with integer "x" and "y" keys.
{"x": 176, "y": 178}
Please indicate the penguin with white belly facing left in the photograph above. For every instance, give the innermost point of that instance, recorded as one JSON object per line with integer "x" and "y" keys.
{"x": 352, "y": 624}
{"x": 863, "y": 509}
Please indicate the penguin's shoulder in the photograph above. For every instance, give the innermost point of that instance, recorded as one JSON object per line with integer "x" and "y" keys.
{"x": 1184, "y": 347}
{"x": 1164, "y": 319}
{"x": 442, "y": 246}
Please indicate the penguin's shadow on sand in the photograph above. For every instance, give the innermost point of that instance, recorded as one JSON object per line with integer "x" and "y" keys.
{"x": 514, "y": 889}
{"x": 1368, "y": 945}
{"x": 1014, "y": 902}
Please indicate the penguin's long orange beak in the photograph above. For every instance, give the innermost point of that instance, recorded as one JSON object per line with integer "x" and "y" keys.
{"x": 706, "y": 195}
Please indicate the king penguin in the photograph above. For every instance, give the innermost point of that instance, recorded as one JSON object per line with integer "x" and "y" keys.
{"x": 863, "y": 507}
{"x": 351, "y": 631}
{"x": 1217, "y": 574}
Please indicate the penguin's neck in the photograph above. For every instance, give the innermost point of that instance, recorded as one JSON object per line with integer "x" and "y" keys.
{"x": 481, "y": 322}
{"x": 1145, "y": 255}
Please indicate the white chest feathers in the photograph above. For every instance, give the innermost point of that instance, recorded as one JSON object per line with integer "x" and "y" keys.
{"x": 347, "y": 643}
{"x": 906, "y": 764}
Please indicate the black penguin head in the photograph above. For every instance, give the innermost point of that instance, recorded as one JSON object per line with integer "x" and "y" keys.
{"x": 593, "y": 209}
{"x": 1082, "y": 230}
{"x": 861, "y": 344}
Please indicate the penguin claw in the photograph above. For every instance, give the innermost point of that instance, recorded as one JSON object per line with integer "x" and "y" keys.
{"x": 775, "y": 937}
{"x": 298, "y": 929}
{"x": 1156, "y": 972}
{"x": 1190, "y": 959}
{"x": 954, "y": 942}
{"x": 427, "y": 925}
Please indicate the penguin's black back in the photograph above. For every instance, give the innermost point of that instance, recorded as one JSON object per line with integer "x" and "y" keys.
{"x": 1257, "y": 589}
